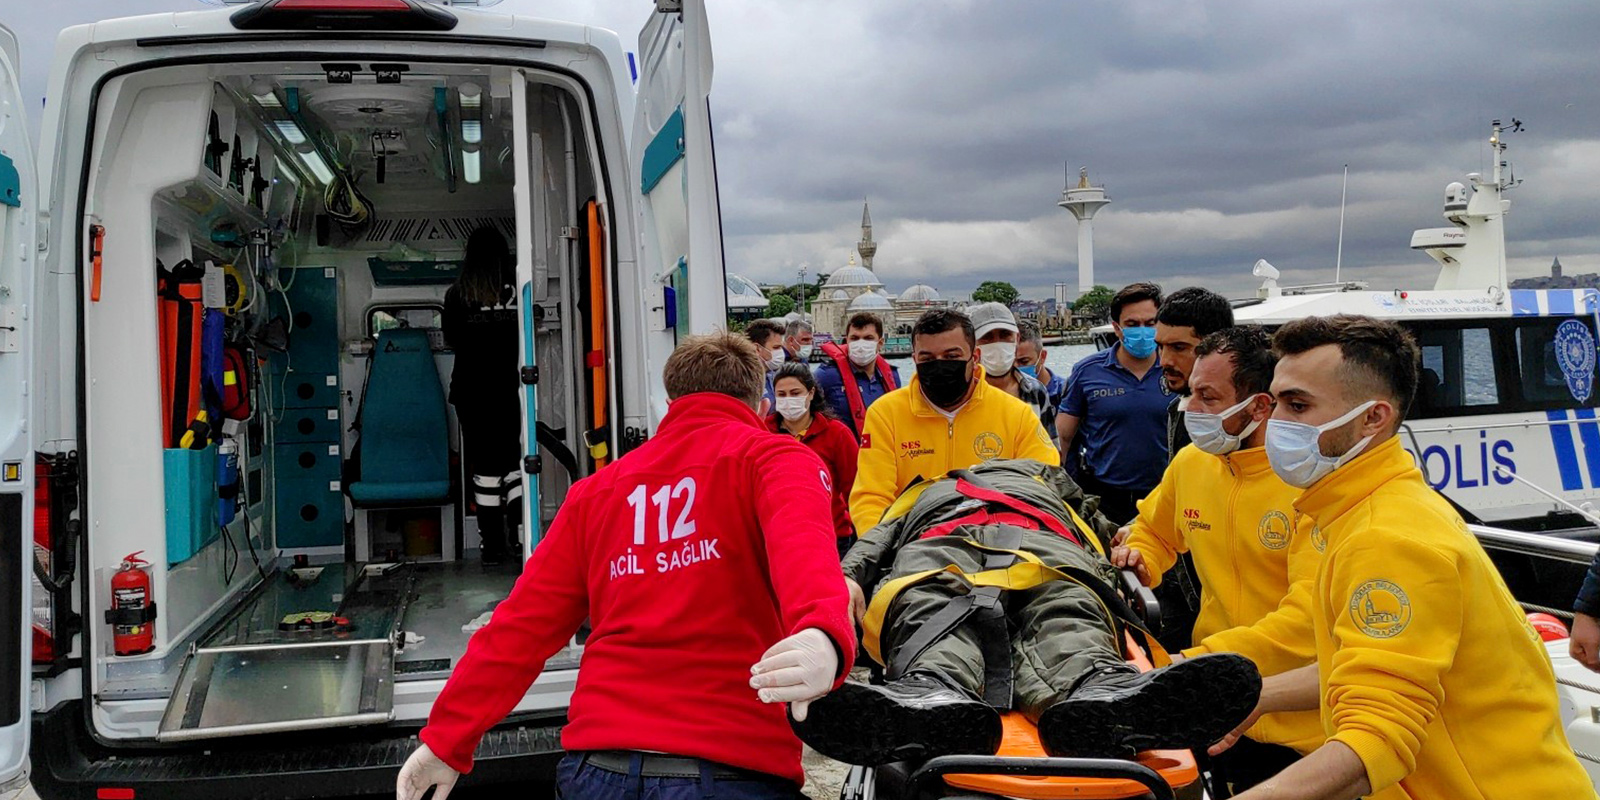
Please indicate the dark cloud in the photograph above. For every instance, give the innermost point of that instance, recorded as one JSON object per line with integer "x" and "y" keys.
{"x": 1220, "y": 129}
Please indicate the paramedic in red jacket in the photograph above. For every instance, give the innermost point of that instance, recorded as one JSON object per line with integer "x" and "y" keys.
{"x": 696, "y": 642}
{"x": 799, "y": 410}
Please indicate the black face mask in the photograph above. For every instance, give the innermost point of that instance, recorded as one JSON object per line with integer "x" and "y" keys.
{"x": 945, "y": 382}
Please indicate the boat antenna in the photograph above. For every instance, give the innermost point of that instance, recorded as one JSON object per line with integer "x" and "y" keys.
{"x": 1338, "y": 258}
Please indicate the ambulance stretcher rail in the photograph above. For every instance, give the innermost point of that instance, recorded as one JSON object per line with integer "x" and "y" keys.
{"x": 931, "y": 775}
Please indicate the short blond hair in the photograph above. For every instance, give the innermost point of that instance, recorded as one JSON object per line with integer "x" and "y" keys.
{"x": 721, "y": 362}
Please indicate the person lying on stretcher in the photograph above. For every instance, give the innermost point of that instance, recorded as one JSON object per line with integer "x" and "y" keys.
{"x": 991, "y": 593}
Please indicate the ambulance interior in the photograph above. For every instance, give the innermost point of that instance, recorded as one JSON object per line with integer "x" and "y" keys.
{"x": 305, "y": 508}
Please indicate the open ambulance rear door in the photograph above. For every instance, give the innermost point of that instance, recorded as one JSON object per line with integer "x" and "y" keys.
{"x": 18, "y": 216}
{"x": 671, "y": 152}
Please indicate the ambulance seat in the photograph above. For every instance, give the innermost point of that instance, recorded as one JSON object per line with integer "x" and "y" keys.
{"x": 405, "y": 441}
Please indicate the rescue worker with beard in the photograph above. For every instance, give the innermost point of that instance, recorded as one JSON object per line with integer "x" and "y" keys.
{"x": 705, "y": 561}
{"x": 990, "y": 584}
{"x": 1428, "y": 677}
{"x": 948, "y": 417}
{"x": 1221, "y": 502}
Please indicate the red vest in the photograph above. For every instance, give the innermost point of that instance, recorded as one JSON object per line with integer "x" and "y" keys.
{"x": 852, "y": 392}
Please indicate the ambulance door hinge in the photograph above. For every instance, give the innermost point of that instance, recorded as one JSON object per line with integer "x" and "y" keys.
{"x": 532, "y": 465}
{"x": 530, "y": 375}
{"x": 669, "y": 6}
{"x": 571, "y": 232}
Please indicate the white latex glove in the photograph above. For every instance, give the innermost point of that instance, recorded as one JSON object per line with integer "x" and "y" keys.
{"x": 796, "y": 670}
{"x": 422, "y": 770}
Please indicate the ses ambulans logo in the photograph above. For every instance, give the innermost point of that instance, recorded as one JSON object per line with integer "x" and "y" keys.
{"x": 1380, "y": 609}
{"x": 1273, "y": 530}
{"x": 987, "y": 446}
{"x": 1575, "y": 354}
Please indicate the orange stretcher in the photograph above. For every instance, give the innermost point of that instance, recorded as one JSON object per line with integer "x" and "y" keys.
{"x": 1020, "y": 739}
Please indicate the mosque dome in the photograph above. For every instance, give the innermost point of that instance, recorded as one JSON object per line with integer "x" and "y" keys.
{"x": 839, "y": 294}
{"x": 853, "y": 277}
{"x": 920, "y": 294}
{"x": 870, "y": 302}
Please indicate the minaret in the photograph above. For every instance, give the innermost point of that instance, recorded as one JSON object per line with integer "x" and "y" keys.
{"x": 1083, "y": 201}
{"x": 866, "y": 247}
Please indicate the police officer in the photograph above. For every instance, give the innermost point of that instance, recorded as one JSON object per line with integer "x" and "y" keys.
{"x": 708, "y": 549}
{"x": 1116, "y": 400}
{"x": 1429, "y": 680}
{"x": 1220, "y": 501}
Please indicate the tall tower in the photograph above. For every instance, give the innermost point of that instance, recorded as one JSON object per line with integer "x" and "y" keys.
{"x": 1083, "y": 201}
{"x": 866, "y": 247}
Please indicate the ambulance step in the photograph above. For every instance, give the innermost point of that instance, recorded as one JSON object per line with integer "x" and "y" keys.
{"x": 303, "y": 654}
{"x": 332, "y": 763}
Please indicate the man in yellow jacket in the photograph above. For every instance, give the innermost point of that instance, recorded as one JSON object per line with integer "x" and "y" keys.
{"x": 947, "y": 417}
{"x": 1429, "y": 680}
{"x": 1220, "y": 501}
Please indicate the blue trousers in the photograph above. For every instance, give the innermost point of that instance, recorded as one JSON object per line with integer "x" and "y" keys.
{"x": 578, "y": 780}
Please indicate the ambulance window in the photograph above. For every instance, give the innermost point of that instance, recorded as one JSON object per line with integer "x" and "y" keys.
{"x": 1558, "y": 362}
{"x": 388, "y": 318}
{"x": 1457, "y": 371}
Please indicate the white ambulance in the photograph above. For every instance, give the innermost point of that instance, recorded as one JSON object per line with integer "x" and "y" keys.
{"x": 237, "y": 526}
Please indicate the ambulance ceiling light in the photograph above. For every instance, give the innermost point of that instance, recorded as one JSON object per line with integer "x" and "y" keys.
{"x": 290, "y": 130}
{"x": 318, "y": 167}
{"x": 471, "y": 167}
{"x": 265, "y": 94}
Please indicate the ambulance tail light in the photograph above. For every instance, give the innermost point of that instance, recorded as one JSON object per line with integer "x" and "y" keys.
{"x": 344, "y": 15}
{"x": 44, "y": 632}
{"x": 55, "y": 542}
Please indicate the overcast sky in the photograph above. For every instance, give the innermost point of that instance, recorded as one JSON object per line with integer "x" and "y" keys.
{"x": 1218, "y": 127}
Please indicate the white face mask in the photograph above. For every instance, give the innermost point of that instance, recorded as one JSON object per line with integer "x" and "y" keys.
{"x": 792, "y": 408}
{"x": 997, "y": 357}
{"x": 1295, "y": 451}
{"x": 863, "y": 352}
{"x": 805, "y": 351}
{"x": 1208, "y": 434}
{"x": 776, "y": 359}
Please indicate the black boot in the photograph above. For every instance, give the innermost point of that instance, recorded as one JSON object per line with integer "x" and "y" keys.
{"x": 915, "y": 717}
{"x": 492, "y": 535}
{"x": 1117, "y": 714}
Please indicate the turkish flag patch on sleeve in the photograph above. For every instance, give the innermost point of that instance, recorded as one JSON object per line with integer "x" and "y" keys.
{"x": 866, "y": 441}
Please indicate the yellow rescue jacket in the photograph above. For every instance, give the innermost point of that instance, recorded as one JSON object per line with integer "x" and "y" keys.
{"x": 1428, "y": 667}
{"x": 1236, "y": 517}
{"x": 905, "y": 438}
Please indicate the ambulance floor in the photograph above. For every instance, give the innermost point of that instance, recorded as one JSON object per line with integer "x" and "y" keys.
{"x": 447, "y": 598}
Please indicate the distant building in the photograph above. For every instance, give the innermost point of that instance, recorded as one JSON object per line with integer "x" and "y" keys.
{"x": 852, "y": 289}
{"x": 1558, "y": 280}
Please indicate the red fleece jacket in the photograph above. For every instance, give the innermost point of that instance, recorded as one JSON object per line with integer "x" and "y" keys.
{"x": 690, "y": 556}
{"x": 836, "y": 446}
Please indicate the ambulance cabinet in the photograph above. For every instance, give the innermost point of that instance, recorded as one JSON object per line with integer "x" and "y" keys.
{"x": 309, "y": 505}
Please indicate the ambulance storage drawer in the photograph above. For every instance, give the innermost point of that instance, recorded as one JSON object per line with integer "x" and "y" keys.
{"x": 299, "y": 425}
{"x": 191, "y": 501}
{"x": 308, "y": 389}
{"x": 309, "y": 507}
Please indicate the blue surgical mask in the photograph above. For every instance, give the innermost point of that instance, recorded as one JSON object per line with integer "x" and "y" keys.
{"x": 1208, "y": 435}
{"x": 1295, "y": 452}
{"x": 1032, "y": 370}
{"x": 1139, "y": 342}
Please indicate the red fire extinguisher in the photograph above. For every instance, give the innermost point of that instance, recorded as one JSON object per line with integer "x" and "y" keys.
{"x": 131, "y": 610}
